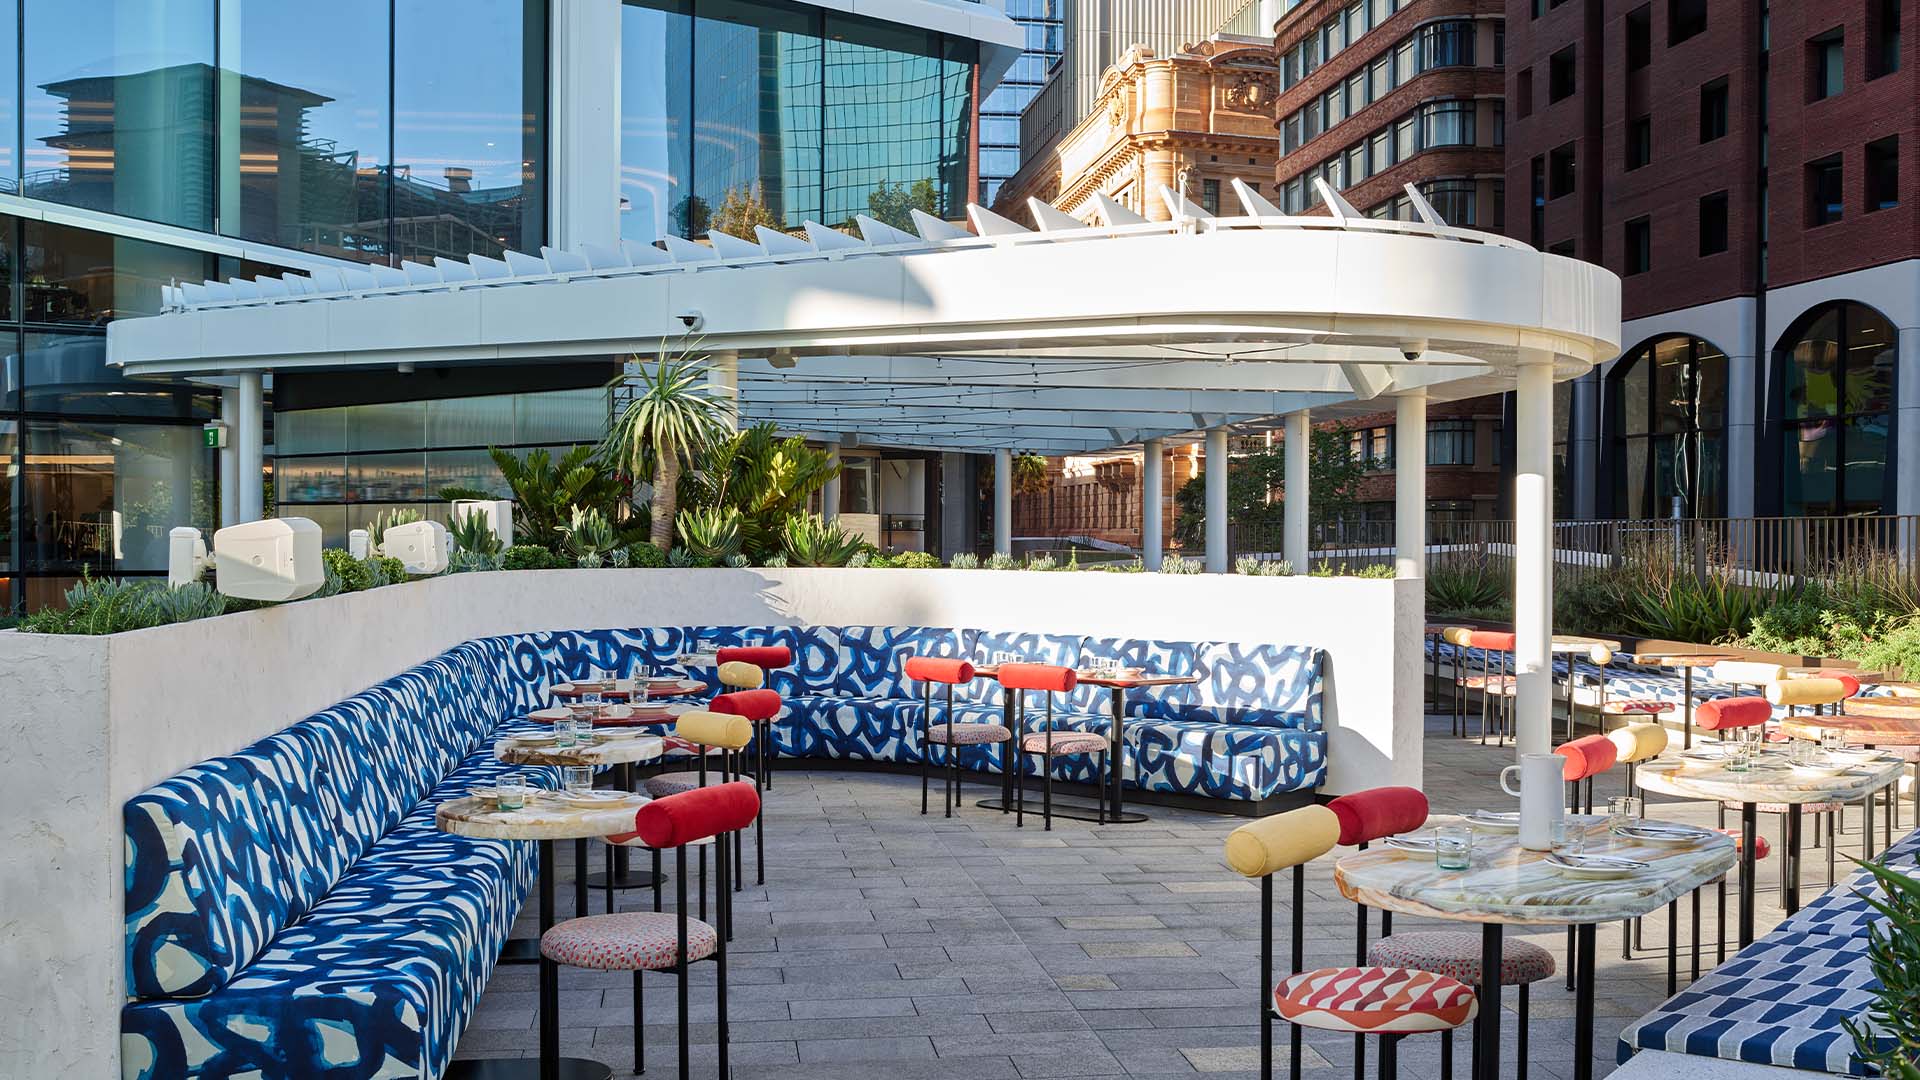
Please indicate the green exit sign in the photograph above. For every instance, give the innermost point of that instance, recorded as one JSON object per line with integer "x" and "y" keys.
{"x": 214, "y": 436}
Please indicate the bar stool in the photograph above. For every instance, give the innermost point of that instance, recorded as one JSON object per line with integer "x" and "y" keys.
{"x": 1047, "y": 744}
{"x": 928, "y": 670}
{"x": 760, "y": 708}
{"x": 1492, "y": 682}
{"x": 1385, "y": 1001}
{"x": 1819, "y": 694}
{"x": 1584, "y": 759}
{"x": 1754, "y": 675}
{"x": 642, "y": 941}
{"x": 704, "y": 731}
{"x": 763, "y": 659}
{"x": 1632, "y": 745}
{"x": 1600, "y": 656}
{"x": 1456, "y": 638}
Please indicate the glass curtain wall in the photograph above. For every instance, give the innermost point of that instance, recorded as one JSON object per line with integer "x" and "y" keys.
{"x": 737, "y": 113}
{"x": 1669, "y": 418}
{"x": 1041, "y": 21}
{"x": 1837, "y": 364}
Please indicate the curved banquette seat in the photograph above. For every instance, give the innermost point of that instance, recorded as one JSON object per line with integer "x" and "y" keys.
{"x": 292, "y": 909}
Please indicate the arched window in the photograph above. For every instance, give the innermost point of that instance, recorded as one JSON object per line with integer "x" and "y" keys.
{"x": 1669, "y": 418}
{"x": 1836, "y": 365}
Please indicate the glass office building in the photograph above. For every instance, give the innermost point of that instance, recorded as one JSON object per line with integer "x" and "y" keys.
{"x": 1041, "y": 22}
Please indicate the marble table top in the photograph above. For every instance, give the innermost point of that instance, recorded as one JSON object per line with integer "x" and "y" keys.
{"x": 1679, "y": 660}
{"x": 1772, "y": 780}
{"x": 619, "y": 716}
{"x": 543, "y": 818}
{"x": 1861, "y": 730}
{"x": 621, "y": 689}
{"x": 604, "y": 751}
{"x": 1509, "y": 884}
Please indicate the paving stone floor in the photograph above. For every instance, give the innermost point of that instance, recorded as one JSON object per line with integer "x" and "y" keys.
{"x": 894, "y": 946}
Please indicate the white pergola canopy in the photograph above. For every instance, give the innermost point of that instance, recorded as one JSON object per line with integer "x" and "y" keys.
{"x": 1072, "y": 338}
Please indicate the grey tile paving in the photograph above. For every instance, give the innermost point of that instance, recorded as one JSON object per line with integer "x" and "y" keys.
{"x": 888, "y": 945}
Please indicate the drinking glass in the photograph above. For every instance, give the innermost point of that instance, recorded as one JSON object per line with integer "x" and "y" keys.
{"x": 1622, "y": 811}
{"x": 513, "y": 791}
{"x": 1802, "y": 752}
{"x": 1569, "y": 838}
{"x": 1833, "y": 740}
{"x": 603, "y": 676}
{"x": 1453, "y": 847}
{"x": 1002, "y": 657}
{"x": 1739, "y": 756}
{"x": 578, "y": 779}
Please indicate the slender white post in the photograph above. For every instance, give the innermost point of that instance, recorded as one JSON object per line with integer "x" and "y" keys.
{"x": 229, "y": 460}
{"x": 1410, "y": 485}
{"x": 1152, "y": 457}
{"x": 1293, "y": 531}
{"x": 1216, "y": 500}
{"x": 1003, "y": 501}
{"x": 723, "y": 374}
{"x": 830, "y": 494}
{"x": 248, "y": 435}
{"x": 1533, "y": 551}
{"x": 584, "y": 131}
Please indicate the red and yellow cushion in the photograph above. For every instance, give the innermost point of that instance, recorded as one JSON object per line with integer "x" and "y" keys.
{"x": 1456, "y": 954}
{"x": 627, "y": 941}
{"x": 1375, "y": 999}
{"x": 1064, "y": 742}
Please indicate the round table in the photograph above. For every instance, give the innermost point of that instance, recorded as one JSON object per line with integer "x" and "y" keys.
{"x": 1875, "y": 722}
{"x": 622, "y": 689}
{"x": 1685, "y": 663}
{"x": 649, "y": 715}
{"x": 543, "y": 820}
{"x": 646, "y": 714}
{"x": 1510, "y": 885}
{"x": 1772, "y": 780}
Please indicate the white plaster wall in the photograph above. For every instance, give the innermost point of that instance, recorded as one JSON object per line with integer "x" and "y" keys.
{"x": 90, "y": 722}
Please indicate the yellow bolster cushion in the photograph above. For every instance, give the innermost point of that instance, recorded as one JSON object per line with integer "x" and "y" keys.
{"x": 1600, "y": 655}
{"x": 1638, "y": 742}
{"x": 714, "y": 729}
{"x": 1272, "y": 844}
{"x": 1456, "y": 635}
{"x": 740, "y": 676}
{"x": 1807, "y": 691}
{"x": 1747, "y": 672}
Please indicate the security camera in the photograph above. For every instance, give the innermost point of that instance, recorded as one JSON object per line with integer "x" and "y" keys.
{"x": 692, "y": 320}
{"x": 1412, "y": 350}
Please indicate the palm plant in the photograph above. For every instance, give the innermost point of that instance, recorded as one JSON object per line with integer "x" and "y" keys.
{"x": 673, "y": 415}
{"x": 545, "y": 492}
{"x": 711, "y": 532}
{"x": 762, "y": 477}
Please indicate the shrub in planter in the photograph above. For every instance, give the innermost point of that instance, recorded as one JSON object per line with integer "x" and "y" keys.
{"x": 109, "y": 606}
{"x": 1889, "y": 1036}
{"x": 811, "y": 541}
{"x": 681, "y": 558}
{"x": 528, "y": 557}
{"x": 352, "y": 574}
{"x": 1175, "y": 564}
{"x": 965, "y": 560}
{"x": 915, "y": 560}
{"x": 645, "y": 556}
{"x": 1457, "y": 586}
{"x": 1000, "y": 560}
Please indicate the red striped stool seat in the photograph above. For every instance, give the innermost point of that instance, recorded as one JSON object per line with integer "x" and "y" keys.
{"x": 969, "y": 734}
{"x": 1456, "y": 954}
{"x": 1781, "y": 808}
{"x": 1064, "y": 742}
{"x": 1636, "y": 707}
{"x": 674, "y": 783}
{"x": 1375, "y": 999}
{"x": 1495, "y": 683}
{"x": 627, "y": 941}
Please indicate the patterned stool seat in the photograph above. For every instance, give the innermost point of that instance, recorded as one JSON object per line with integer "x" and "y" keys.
{"x": 674, "y": 783}
{"x": 627, "y": 941}
{"x": 1064, "y": 742}
{"x": 1495, "y": 683}
{"x": 1375, "y": 999}
{"x": 968, "y": 734}
{"x": 1456, "y": 954}
{"x": 1781, "y": 808}
{"x": 1636, "y": 707}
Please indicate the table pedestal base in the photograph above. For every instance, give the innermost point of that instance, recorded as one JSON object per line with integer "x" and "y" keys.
{"x": 629, "y": 879}
{"x": 520, "y": 950}
{"x": 1073, "y": 809}
{"x": 527, "y": 1069}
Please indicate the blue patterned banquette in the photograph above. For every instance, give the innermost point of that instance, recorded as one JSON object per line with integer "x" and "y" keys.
{"x": 291, "y": 909}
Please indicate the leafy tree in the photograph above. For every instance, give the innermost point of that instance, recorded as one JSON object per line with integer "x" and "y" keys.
{"x": 894, "y": 203}
{"x": 545, "y": 493}
{"x": 674, "y": 415}
{"x": 1029, "y": 474}
{"x": 691, "y": 216}
{"x": 763, "y": 478}
{"x": 1255, "y": 482}
{"x": 740, "y": 210}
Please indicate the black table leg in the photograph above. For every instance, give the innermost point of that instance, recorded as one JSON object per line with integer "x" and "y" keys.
{"x": 1749, "y": 840}
{"x": 1486, "y": 1030}
{"x": 549, "y": 975}
{"x": 624, "y": 876}
{"x": 1583, "y": 1003}
{"x": 1115, "y": 741}
{"x": 1686, "y": 693}
{"x": 1791, "y": 894}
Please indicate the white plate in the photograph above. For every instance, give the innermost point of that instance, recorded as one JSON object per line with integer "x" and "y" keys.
{"x": 1664, "y": 834}
{"x": 534, "y": 740}
{"x": 1423, "y": 844}
{"x": 1502, "y": 820}
{"x": 1596, "y": 868}
{"x": 597, "y": 798}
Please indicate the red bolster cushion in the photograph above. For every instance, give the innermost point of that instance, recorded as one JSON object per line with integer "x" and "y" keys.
{"x": 1852, "y": 684}
{"x": 939, "y": 669}
{"x": 752, "y": 704}
{"x": 1377, "y": 812}
{"x": 1037, "y": 677}
{"x": 695, "y": 815}
{"x": 760, "y": 656}
{"x": 1587, "y": 756}
{"x": 1737, "y": 712}
{"x": 1491, "y": 639}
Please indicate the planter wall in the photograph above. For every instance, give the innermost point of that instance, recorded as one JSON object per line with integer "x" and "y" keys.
{"x": 90, "y": 722}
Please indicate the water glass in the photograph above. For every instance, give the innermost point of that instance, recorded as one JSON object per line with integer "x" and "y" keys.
{"x": 1739, "y": 755}
{"x": 1569, "y": 838}
{"x": 1801, "y": 752}
{"x": 578, "y": 779}
{"x": 1622, "y": 811}
{"x": 564, "y": 731}
{"x": 1002, "y": 657}
{"x": 1453, "y": 847}
{"x": 603, "y": 676}
{"x": 512, "y": 792}
{"x": 1833, "y": 740}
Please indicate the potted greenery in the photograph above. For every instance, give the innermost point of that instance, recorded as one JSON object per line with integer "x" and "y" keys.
{"x": 1889, "y": 1037}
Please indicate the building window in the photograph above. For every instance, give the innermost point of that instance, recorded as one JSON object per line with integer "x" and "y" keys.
{"x": 1453, "y": 200}
{"x": 857, "y": 486}
{"x": 1639, "y": 37}
{"x": 1639, "y": 142}
{"x": 1523, "y": 94}
{"x": 1639, "y": 246}
{"x": 1713, "y": 110}
{"x": 1537, "y": 202}
{"x": 1883, "y": 174}
{"x": 1826, "y": 65}
{"x": 1825, "y": 201}
{"x": 1560, "y": 82}
{"x": 1883, "y": 30}
{"x": 1837, "y": 366}
{"x": 1668, "y": 413}
{"x": 1564, "y": 248}
{"x": 1560, "y": 172}
{"x": 1450, "y": 442}
{"x": 1372, "y": 447}
{"x": 1713, "y": 223}
{"x": 1685, "y": 19}
{"x": 1210, "y": 196}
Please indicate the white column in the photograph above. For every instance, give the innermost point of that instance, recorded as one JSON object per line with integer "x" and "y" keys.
{"x": 1152, "y": 464}
{"x": 1216, "y": 500}
{"x": 1003, "y": 502}
{"x": 723, "y": 374}
{"x": 1743, "y": 390}
{"x": 1410, "y": 485}
{"x": 830, "y": 495}
{"x": 229, "y": 459}
{"x": 1906, "y": 476}
{"x": 1293, "y": 511}
{"x": 248, "y": 435}
{"x": 1533, "y": 551}
{"x": 584, "y": 123}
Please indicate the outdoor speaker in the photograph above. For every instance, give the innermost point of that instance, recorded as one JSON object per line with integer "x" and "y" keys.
{"x": 421, "y": 546}
{"x": 186, "y": 556}
{"x": 497, "y": 512}
{"x": 276, "y": 559}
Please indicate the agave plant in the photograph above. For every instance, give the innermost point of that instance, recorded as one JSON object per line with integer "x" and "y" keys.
{"x": 812, "y": 541}
{"x": 1175, "y": 564}
{"x": 674, "y": 414}
{"x": 711, "y": 532}
{"x": 387, "y": 519}
{"x": 472, "y": 534}
{"x": 764, "y": 478}
{"x": 965, "y": 560}
{"x": 588, "y": 536}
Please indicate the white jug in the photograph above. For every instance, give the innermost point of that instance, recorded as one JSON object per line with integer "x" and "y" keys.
{"x": 1542, "y": 795}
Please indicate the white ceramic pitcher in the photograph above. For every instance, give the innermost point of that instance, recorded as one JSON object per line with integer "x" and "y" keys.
{"x": 1542, "y": 795}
